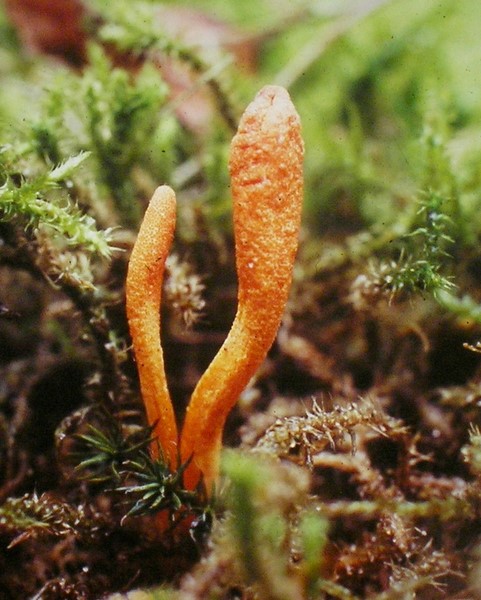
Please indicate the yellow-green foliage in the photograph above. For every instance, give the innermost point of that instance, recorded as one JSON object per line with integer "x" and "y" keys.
{"x": 376, "y": 498}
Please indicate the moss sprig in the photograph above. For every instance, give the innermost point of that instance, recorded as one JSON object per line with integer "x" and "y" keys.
{"x": 38, "y": 208}
{"x": 34, "y": 516}
{"x": 183, "y": 290}
{"x": 138, "y": 31}
{"x": 260, "y": 527}
{"x": 103, "y": 453}
{"x": 120, "y": 116}
{"x": 472, "y": 451}
{"x": 114, "y": 116}
{"x": 109, "y": 456}
{"x": 159, "y": 488}
{"x": 426, "y": 571}
{"x": 452, "y": 508}
{"x": 300, "y": 438}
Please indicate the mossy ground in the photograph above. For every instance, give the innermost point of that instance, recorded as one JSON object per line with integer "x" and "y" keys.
{"x": 356, "y": 468}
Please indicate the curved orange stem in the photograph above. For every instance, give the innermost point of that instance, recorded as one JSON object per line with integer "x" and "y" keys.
{"x": 267, "y": 188}
{"x": 143, "y": 297}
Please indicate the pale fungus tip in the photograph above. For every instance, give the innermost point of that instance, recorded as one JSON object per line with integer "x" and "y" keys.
{"x": 163, "y": 196}
{"x": 271, "y": 94}
{"x": 271, "y": 106}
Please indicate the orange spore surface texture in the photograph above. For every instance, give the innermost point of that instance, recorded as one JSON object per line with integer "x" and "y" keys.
{"x": 266, "y": 169}
{"x": 143, "y": 294}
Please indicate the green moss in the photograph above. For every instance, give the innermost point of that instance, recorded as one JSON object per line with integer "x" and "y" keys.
{"x": 350, "y": 499}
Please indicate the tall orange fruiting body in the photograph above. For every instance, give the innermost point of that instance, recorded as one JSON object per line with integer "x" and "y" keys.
{"x": 143, "y": 297}
{"x": 267, "y": 189}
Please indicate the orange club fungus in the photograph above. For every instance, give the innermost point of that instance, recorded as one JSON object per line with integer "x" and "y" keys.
{"x": 267, "y": 189}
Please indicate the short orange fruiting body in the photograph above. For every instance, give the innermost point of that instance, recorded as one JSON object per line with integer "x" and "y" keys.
{"x": 143, "y": 297}
{"x": 267, "y": 188}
